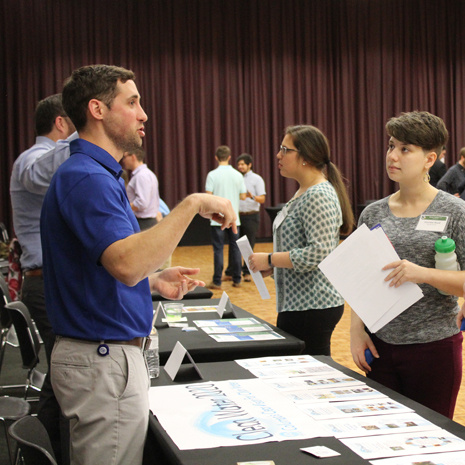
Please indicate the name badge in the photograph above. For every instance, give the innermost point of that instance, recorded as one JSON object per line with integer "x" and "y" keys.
{"x": 433, "y": 222}
{"x": 280, "y": 218}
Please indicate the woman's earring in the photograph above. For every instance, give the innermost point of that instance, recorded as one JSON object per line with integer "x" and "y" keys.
{"x": 304, "y": 163}
{"x": 426, "y": 177}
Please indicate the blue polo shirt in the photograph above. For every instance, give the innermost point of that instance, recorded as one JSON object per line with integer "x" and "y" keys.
{"x": 84, "y": 211}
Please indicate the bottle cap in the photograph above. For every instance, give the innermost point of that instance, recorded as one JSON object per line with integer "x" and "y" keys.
{"x": 444, "y": 245}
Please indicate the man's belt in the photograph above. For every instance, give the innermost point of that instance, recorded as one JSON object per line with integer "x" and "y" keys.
{"x": 34, "y": 272}
{"x": 137, "y": 341}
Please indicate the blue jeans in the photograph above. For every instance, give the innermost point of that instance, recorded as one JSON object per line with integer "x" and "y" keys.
{"x": 235, "y": 254}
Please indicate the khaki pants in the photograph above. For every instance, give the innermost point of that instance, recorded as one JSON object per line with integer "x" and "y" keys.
{"x": 105, "y": 399}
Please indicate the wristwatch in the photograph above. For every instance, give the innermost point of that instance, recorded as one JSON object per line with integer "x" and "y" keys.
{"x": 269, "y": 260}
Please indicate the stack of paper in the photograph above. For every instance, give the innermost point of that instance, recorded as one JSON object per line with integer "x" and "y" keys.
{"x": 355, "y": 269}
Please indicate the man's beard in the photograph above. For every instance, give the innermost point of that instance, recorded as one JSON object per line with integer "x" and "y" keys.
{"x": 121, "y": 140}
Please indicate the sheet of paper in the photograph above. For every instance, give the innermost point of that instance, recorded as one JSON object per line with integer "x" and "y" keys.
{"x": 355, "y": 270}
{"x": 353, "y": 393}
{"x": 175, "y": 360}
{"x": 392, "y": 445}
{"x": 242, "y": 337}
{"x": 354, "y": 409}
{"x": 376, "y": 425}
{"x": 227, "y": 322}
{"x": 336, "y": 380}
{"x": 284, "y": 360}
{"x": 246, "y": 250}
{"x": 447, "y": 458}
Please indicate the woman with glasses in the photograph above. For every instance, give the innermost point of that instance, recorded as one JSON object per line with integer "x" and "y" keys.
{"x": 305, "y": 231}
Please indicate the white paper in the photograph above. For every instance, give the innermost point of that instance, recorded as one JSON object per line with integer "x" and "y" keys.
{"x": 405, "y": 444}
{"x": 293, "y": 370}
{"x": 354, "y": 409}
{"x": 222, "y": 305}
{"x": 352, "y": 393}
{"x": 175, "y": 360}
{"x": 336, "y": 380}
{"x": 320, "y": 451}
{"x": 227, "y": 322}
{"x": 242, "y": 337}
{"x": 447, "y": 458}
{"x": 355, "y": 270}
{"x": 277, "y": 361}
{"x": 246, "y": 250}
{"x": 376, "y": 425}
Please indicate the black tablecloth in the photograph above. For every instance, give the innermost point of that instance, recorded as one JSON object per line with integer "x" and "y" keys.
{"x": 197, "y": 293}
{"x": 161, "y": 450}
{"x": 203, "y": 348}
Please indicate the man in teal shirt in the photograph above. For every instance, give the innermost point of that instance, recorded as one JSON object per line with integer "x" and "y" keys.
{"x": 227, "y": 182}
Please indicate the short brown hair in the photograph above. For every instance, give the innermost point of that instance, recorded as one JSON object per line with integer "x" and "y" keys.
{"x": 47, "y": 111}
{"x": 419, "y": 128}
{"x": 223, "y": 152}
{"x": 89, "y": 82}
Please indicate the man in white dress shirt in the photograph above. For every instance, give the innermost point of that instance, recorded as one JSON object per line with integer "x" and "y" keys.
{"x": 142, "y": 189}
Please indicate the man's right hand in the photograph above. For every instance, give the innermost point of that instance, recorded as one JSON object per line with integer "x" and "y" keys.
{"x": 218, "y": 209}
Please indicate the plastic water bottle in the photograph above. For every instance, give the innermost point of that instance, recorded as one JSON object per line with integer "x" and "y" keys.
{"x": 152, "y": 356}
{"x": 445, "y": 257}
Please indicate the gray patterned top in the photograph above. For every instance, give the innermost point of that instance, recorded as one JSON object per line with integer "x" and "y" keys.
{"x": 432, "y": 318}
{"x": 309, "y": 231}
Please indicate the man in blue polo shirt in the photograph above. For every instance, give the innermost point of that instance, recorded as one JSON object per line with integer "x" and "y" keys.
{"x": 99, "y": 270}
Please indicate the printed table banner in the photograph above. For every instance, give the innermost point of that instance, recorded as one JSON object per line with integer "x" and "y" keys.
{"x": 229, "y": 413}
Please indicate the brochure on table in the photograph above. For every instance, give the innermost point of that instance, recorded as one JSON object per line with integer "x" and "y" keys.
{"x": 355, "y": 268}
{"x": 237, "y": 330}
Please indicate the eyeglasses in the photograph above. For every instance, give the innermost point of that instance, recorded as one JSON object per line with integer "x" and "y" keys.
{"x": 284, "y": 150}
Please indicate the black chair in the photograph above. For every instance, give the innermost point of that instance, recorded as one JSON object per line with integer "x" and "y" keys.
{"x": 33, "y": 442}
{"x": 5, "y": 320}
{"x": 29, "y": 344}
{"x": 11, "y": 410}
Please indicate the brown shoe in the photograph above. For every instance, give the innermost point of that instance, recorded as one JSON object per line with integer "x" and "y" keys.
{"x": 226, "y": 278}
{"x": 212, "y": 285}
{"x": 237, "y": 285}
{"x": 247, "y": 278}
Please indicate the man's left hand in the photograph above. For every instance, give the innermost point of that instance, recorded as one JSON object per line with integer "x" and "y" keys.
{"x": 174, "y": 283}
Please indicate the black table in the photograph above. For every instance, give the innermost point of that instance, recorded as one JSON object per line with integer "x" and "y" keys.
{"x": 203, "y": 348}
{"x": 161, "y": 450}
{"x": 197, "y": 293}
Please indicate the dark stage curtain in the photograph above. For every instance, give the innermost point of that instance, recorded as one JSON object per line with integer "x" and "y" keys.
{"x": 237, "y": 72}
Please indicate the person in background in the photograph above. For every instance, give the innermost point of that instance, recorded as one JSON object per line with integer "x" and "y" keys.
{"x": 249, "y": 209}
{"x": 142, "y": 189}
{"x": 228, "y": 183}
{"x": 99, "y": 270}
{"x": 454, "y": 179}
{"x": 305, "y": 231}
{"x": 419, "y": 353}
{"x": 27, "y": 196}
{"x": 439, "y": 169}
